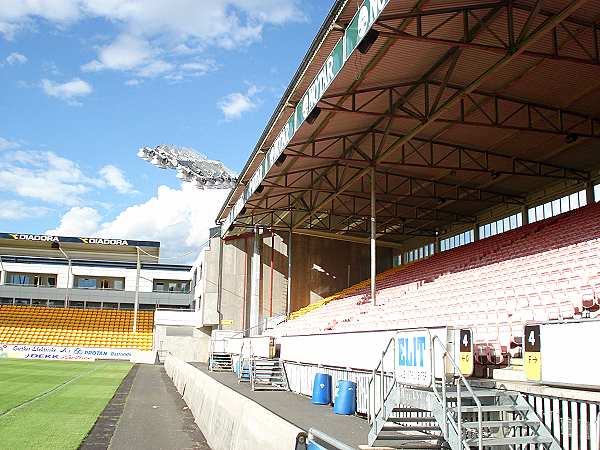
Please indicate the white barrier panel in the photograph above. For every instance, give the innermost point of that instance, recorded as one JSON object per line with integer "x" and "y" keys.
{"x": 360, "y": 350}
{"x": 356, "y": 350}
{"x": 227, "y": 419}
{"x": 64, "y": 353}
{"x": 260, "y": 346}
{"x": 568, "y": 353}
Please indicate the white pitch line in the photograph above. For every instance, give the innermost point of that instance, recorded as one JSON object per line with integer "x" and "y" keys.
{"x": 49, "y": 391}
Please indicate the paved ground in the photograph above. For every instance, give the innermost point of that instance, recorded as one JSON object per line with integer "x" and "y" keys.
{"x": 298, "y": 409}
{"x": 106, "y": 424}
{"x": 155, "y": 416}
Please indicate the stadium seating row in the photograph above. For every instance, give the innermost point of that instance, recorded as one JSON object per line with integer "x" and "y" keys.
{"x": 548, "y": 270}
{"x": 72, "y": 327}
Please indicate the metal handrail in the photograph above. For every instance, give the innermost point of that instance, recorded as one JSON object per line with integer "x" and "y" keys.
{"x": 444, "y": 398}
{"x": 331, "y": 441}
{"x": 372, "y": 415}
{"x": 263, "y": 322}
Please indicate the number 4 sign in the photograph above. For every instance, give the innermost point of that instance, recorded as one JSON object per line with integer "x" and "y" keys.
{"x": 532, "y": 356}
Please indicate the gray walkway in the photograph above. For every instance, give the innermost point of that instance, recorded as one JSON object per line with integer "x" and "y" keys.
{"x": 155, "y": 416}
{"x": 299, "y": 410}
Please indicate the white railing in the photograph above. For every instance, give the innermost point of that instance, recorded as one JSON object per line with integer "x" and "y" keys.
{"x": 556, "y": 412}
{"x": 443, "y": 398}
{"x": 385, "y": 387}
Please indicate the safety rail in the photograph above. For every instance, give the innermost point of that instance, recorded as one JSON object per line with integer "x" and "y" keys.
{"x": 443, "y": 398}
{"x": 383, "y": 392}
{"x": 314, "y": 434}
{"x": 264, "y": 325}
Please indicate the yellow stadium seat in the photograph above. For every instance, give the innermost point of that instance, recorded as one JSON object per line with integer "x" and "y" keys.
{"x": 74, "y": 327}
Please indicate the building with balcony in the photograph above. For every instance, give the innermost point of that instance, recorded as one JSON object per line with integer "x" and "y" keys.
{"x": 60, "y": 271}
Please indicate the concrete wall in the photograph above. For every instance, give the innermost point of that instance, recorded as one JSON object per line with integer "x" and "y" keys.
{"x": 320, "y": 267}
{"x": 235, "y": 293}
{"x": 227, "y": 419}
{"x": 186, "y": 343}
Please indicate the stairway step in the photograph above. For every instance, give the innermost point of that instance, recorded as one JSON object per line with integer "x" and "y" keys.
{"x": 495, "y": 442}
{"x": 501, "y": 423}
{"x": 399, "y": 409}
{"x": 411, "y": 419}
{"x": 491, "y": 408}
{"x": 399, "y": 427}
{"x": 409, "y": 445}
{"x": 478, "y": 392}
{"x": 391, "y": 436}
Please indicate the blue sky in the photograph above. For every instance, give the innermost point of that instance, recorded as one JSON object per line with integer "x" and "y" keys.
{"x": 85, "y": 83}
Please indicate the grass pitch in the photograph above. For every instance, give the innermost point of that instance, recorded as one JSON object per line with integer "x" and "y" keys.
{"x": 53, "y": 404}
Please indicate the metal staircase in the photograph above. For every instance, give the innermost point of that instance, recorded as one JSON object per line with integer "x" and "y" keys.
{"x": 267, "y": 375}
{"x": 221, "y": 362}
{"x": 450, "y": 413}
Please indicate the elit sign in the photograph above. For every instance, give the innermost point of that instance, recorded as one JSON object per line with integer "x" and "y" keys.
{"x": 361, "y": 23}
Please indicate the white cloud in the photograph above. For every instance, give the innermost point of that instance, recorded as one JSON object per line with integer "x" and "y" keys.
{"x": 69, "y": 91}
{"x": 235, "y": 104}
{"x": 179, "y": 218}
{"x": 5, "y": 144}
{"x": 78, "y": 221}
{"x": 158, "y": 33}
{"x": 125, "y": 53}
{"x": 133, "y": 82}
{"x": 44, "y": 176}
{"x": 115, "y": 178}
{"x": 17, "y": 210}
{"x": 16, "y": 58}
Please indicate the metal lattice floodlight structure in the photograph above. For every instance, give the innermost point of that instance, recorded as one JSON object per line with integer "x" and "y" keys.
{"x": 192, "y": 167}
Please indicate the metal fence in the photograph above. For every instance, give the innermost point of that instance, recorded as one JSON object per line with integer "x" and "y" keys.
{"x": 575, "y": 423}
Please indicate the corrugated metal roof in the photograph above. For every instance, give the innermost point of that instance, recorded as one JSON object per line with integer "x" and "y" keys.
{"x": 525, "y": 110}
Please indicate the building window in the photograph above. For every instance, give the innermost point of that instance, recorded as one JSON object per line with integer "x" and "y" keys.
{"x": 457, "y": 240}
{"x": 500, "y": 226}
{"x": 31, "y": 279}
{"x": 99, "y": 283}
{"x": 86, "y": 283}
{"x": 178, "y": 286}
{"x": 558, "y": 206}
{"x": 419, "y": 253}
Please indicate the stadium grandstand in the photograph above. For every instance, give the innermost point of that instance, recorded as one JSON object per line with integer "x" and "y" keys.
{"x": 88, "y": 293}
{"x": 415, "y": 239}
{"x": 419, "y": 219}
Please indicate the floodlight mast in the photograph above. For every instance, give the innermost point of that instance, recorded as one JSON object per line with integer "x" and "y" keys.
{"x": 192, "y": 167}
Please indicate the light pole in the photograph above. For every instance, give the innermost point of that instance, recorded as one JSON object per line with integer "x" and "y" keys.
{"x": 56, "y": 245}
{"x": 137, "y": 291}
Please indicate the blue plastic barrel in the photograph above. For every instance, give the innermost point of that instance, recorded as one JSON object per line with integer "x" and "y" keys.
{"x": 345, "y": 398}
{"x": 322, "y": 389}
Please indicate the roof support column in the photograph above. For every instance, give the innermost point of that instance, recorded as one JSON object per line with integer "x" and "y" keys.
{"x": 525, "y": 214}
{"x": 254, "y": 328}
{"x": 373, "y": 238}
{"x": 288, "y": 308}
{"x": 589, "y": 193}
